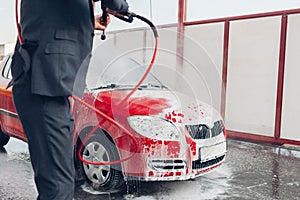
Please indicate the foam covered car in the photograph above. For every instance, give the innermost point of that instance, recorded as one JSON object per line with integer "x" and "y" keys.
{"x": 179, "y": 137}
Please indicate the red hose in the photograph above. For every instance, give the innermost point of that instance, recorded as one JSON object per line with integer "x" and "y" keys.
{"x": 107, "y": 117}
{"x": 17, "y": 22}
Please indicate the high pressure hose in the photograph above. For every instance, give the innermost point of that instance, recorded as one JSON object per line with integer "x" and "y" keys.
{"x": 17, "y": 22}
{"x": 128, "y": 17}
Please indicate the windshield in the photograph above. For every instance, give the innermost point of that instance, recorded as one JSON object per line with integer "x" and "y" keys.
{"x": 121, "y": 73}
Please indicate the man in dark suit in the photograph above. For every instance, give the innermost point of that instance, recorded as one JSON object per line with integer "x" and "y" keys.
{"x": 58, "y": 37}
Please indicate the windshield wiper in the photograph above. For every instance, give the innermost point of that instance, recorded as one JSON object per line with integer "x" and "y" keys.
{"x": 124, "y": 87}
{"x": 109, "y": 86}
{"x": 152, "y": 85}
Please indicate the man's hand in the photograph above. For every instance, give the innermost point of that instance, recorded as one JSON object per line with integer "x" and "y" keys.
{"x": 101, "y": 24}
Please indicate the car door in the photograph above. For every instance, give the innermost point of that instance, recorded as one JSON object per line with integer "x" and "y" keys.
{"x": 9, "y": 120}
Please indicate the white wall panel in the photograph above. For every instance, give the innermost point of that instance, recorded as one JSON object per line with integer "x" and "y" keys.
{"x": 252, "y": 75}
{"x": 165, "y": 63}
{"x": 209, "y": 39}
{"x": 290, "y": 128}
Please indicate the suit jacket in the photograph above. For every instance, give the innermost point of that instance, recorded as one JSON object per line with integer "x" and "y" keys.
{"x": 58, "y": 37}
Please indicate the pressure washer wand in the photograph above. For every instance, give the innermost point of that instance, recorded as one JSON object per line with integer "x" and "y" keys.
{"x": 127, "y": 17}
{"x": 103, "y": 19}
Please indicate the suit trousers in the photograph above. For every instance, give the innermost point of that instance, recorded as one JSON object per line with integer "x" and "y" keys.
{"x": 48, "y": 125}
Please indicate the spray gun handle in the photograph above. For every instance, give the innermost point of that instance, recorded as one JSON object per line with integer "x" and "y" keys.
{"x": 126, "y": 16}
{"x": 103, "y": 19}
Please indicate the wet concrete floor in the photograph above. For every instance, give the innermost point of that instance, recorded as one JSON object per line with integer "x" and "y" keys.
{"x": 251, "y": 171}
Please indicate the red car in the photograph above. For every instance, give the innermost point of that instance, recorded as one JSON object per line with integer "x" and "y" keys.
{"x": 179, "y": 138}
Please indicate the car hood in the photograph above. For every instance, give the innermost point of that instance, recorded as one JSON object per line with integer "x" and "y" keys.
{"x": 172, "y": 106}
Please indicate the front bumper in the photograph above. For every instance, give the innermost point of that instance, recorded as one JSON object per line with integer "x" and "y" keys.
{"x": 193, "y": 164}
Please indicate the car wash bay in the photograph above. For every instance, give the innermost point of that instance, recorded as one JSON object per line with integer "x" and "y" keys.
{"x": 258, "y": 74}
{"x": 251, "y": 171}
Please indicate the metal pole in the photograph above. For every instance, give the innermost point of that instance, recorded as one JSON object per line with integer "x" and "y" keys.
{"x": 180, "y": 31}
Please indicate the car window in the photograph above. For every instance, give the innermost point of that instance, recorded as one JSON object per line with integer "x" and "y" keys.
{"x": 123, "y": 71}
{"x": 6, "y": 72}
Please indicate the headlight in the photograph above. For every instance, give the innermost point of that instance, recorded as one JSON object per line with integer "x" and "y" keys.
{"x": 154, "y": 127}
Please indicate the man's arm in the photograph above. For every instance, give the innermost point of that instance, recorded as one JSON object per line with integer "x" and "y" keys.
{"x": 115, "y": 5}
{"x": 99, "y": 25}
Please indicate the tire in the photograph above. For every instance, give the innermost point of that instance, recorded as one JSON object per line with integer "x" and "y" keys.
{"x": 99, "y": 148}
{"x": 3, "y": 138}
{"x": 133, "y": 187}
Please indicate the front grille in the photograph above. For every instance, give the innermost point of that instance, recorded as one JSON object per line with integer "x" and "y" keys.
{"x": 202, "y": 131}
{"x": 167, "y": 164}
{"x": 217, "y": 128}
{"x": 200, "y": 165}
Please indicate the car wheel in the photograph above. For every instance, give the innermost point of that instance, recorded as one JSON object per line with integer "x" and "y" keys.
{"x": 3, "y": 139}
{"x": 99, "y": 148}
